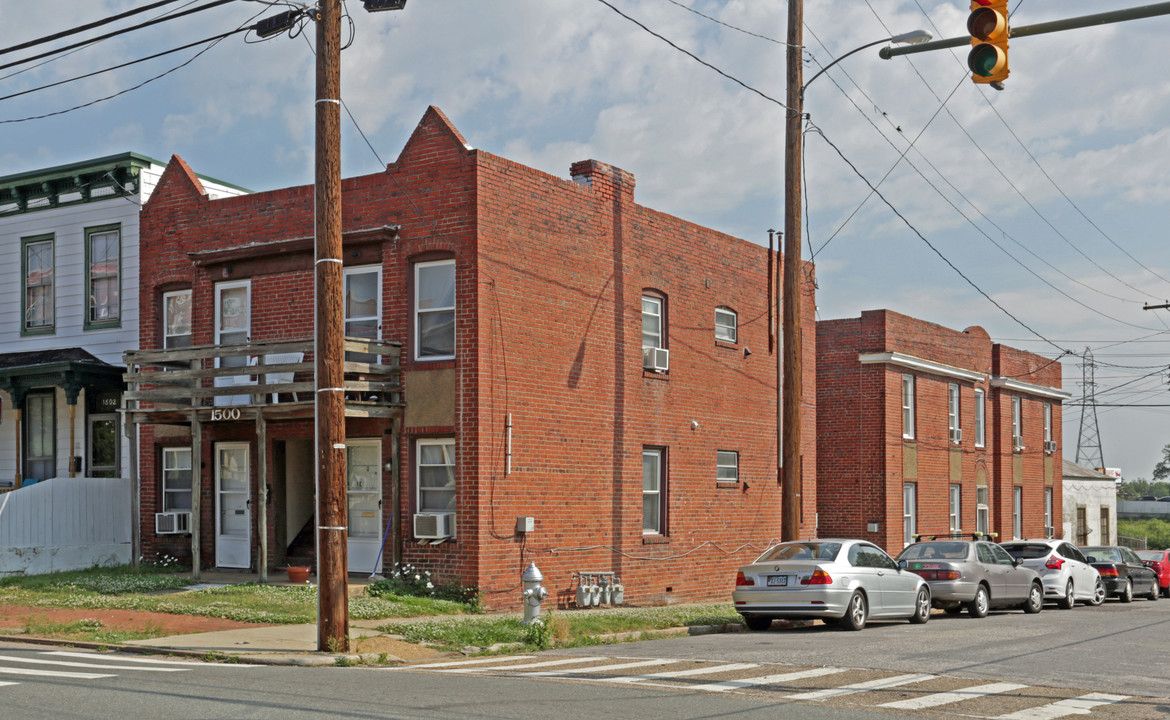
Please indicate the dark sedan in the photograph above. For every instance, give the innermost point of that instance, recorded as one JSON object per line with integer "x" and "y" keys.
{"x": 1124, "y": 573}
{"x": 1159, "y": 562}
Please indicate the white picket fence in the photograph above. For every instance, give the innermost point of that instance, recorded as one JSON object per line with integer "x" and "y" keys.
{"x": 65, "y": 524}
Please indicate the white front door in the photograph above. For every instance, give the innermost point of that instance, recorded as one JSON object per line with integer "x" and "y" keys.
{"x": 233, "y": 506}
{"x": 363, "y": 468}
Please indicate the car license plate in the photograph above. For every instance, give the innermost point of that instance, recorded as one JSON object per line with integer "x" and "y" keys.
{"x": 777, "y": 580}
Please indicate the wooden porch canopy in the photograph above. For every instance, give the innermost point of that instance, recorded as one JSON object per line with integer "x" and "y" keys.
{"x": 268, "y": 380}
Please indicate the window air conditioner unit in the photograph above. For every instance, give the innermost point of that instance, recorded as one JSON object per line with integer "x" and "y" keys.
{"x": 656, "y": 359}
{"x": 1050, "y": 446}
{"x": 172, "y": 523}
{"x": 434, "y": 525}
{"x": 956, "y": 435}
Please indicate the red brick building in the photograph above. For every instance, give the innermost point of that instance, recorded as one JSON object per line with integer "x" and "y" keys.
{"x": 924, "y": 429}
{"x": 545, "y": 349}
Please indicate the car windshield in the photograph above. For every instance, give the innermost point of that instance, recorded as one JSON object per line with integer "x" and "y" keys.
{"x": 802, "y": 551}
{"x": 935, "y": 551}
{"x": 1103, "y": 554}
{"x": 1150, "y": 554}
{"x": 1027, "y": 551}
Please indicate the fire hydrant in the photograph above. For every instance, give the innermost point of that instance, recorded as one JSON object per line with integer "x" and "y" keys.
{"x": 533, "y": 593}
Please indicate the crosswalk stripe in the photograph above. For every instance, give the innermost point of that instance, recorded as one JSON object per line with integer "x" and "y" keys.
{"x": 53, "y": 673}
{"x": 767, "y": 679}
{"x": 2, "y": 684}
{"x": 1071, "y": 706}
{"x": 137, "y": 660}
{"x": 91, "y": 666}
{"x": 952, "y": 696}
{"x": 456, "y": 663}
{"x": 878, "y": 684}
{"x": 667, "y": 675}
{"x": 598, "y": 668}
{"x": 521, "y": 666}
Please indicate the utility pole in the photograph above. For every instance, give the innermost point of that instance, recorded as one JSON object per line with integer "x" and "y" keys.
{"x": 332, "y": 507}
{"x": 792, "y": 336}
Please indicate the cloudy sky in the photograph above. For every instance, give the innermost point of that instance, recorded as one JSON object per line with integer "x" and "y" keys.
{"x": 1049, "y": 201}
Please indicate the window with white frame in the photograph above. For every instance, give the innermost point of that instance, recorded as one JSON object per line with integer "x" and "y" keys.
{"x": 909, "y": 511}
{"x": 908, "y": 407}
{"x": 1047, "y": 425}
{"x": 176, "y": 479}
{"x": 1017, "y": 512}
{"x": 982, "y": 510}
{"x": 726, "y": 325}
{"x": 980, "y": 418}
{"x": 726, "y": 466}
{"x": 956, "y": 435}
{"x": 1017, "y": 424}
{"x": 1049, "y": 530}
{"x": 103, "y": 250}
{"x": 653, "y": 325}
{"x": 956, "y": 515}
{"x": 176, "y": 317}
{"x": 38, "y": 262}
{"x": 363, "y": 307}
{"x": 653, "y": 491}
{"x": 435, "y": 473}
{"x": 434, "y": 308}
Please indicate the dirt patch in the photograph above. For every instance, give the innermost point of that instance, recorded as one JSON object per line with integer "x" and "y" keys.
{"x": 382, "y": 644}
{"x": 14, "y": 618}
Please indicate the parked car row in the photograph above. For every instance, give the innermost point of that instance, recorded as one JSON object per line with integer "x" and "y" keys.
{"x": 850, "y": 581}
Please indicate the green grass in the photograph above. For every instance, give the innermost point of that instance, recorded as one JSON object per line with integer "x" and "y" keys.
{"x": 567, "y": 628}
{"x": 152, "y": 591}
{"x": 89, "y": 630}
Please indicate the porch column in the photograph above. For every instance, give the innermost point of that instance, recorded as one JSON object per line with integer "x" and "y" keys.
{"x": 135, "y": 492}
{"x": 262, "y": 492}
{"x": 72, "y": 391}
{"x": 196, "y": 495}
{"x": 17, "y": 394}
{"x": 395, "y": 492}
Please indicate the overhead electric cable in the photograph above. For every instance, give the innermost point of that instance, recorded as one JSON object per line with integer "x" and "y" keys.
{"x": 83, "y": 28}
{"x": 201, "y": 8}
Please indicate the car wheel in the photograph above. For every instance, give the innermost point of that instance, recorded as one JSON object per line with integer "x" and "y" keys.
{"x": 978, "y": 607}
{"x": 857, "y": 612}
{"x": 1069, "y": 599}
{"x": 1098, "y": 593}
{"x": 1155, "y": 591}
{"x": 1127, "y": 594}
{"x": 1035, "y": 601}
{"x": 757, "y": 623}
{"x": 921, "y": 607}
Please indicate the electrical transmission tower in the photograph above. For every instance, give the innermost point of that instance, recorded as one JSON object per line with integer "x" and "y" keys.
{"x": 1089, "y": 441}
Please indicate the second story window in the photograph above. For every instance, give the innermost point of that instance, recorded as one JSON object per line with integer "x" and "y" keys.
{"x": 1049, "y": 445}
{"x": 434, "y": 307}
{"x": 363, "y": 307}
{"x": 653, "y": 332}
{"x": 980, "y": 419}
{"x": 176, "y": 318}
{"x": 39, "y": 313}
{"x": 103, "y": 284}
{"x": 726, "y": 325}
{"x": 908, "y": 407}
{"x": 1017, "y": 424}
{"x": 956, "y": 433}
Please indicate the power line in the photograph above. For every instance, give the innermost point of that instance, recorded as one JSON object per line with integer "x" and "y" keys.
{"x": 83, "y": 28}
{"x": 201, "y": 8}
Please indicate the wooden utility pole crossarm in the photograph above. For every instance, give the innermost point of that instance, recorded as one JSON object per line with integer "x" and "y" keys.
{"x": 332, "y": 508}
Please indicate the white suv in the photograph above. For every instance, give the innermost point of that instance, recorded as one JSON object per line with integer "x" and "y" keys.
{"x": 1067, "y": 575}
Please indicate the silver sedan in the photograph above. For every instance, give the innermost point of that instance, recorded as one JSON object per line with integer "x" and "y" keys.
{"x": 974, "y": 574}
{"x": 846, "y": 581}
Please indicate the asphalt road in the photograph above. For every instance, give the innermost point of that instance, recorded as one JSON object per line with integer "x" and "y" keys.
{"x": 1114, "y": 648}
{"x": 1109, "y": 663}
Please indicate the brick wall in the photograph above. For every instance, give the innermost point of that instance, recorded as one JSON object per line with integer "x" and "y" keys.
{"x": 549, "y": 274}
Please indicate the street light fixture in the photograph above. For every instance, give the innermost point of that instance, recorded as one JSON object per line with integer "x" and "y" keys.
{"x": 383, "y": 5}
{"x": 789, "y": 370}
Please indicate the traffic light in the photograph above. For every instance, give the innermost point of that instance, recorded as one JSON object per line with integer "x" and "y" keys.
{"x": 988, "y": 25}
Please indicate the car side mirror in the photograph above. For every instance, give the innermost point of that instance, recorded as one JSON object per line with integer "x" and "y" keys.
{"x": 901, "y": 564}
{"x": 1016, "y": 562}
{"x": 1091, "y": 559}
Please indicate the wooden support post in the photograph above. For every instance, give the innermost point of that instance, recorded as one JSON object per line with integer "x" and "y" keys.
{"x": 196, "y": 496}
{"x": 262, "y": 492}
